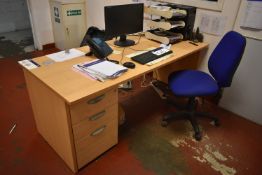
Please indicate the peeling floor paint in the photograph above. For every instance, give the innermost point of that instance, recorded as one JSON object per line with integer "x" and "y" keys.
{"x": 16, "y": 43}
{"x": 217, "y": 154}
{"x": 180, "y": 134}
{"x": 213, "y": 158}
{"x": 208, "y": 155}
{"x": 178, "y": 142}
{"x": 232, "y": 158}
{"x": 229, "y": 145}
{"x": 223, "y": 169}
{"x": 199, "y": 159}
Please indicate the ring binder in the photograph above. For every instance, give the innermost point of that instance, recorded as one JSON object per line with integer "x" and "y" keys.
{"x": 101, "y": 69}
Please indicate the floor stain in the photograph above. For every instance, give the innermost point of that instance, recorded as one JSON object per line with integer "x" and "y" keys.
{"x": 18, "y": 149}
{"x": 1, "y": 164}
{"x": 17, "y": 161}
{"x": 156, "y": 154}
{"x": 9, "y": 48}
{"x": 21, "y": 86}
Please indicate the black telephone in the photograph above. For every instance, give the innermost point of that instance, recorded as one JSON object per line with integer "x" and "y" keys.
{"x": 95, "y": 39}
{"x": 98, "y": 47}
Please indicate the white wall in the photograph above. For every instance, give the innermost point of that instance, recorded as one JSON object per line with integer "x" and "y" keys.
{"x": 14, "y": 15}
{"x": 244, "y": 97}
{"x": 41, "y": 22}
{"x": 95, "y": 11}
{"x": 41, "y": 18}
{"x": 229, "y": 10}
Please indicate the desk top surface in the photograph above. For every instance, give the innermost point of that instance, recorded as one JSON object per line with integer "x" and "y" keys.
{"x": 73, "y": 86}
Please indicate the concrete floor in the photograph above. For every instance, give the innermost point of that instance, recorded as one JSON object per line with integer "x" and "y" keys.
{"x": 144, "y": 147}
{"x": 16, "y": 43}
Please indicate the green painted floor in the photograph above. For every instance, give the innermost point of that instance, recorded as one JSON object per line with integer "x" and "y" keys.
{"x": 16, "y": 43}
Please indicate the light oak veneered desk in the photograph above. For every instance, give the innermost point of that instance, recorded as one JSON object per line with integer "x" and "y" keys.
{"x": 78, "y": 116}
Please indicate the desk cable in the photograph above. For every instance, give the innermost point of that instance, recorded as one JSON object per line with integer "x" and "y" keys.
{"x": 145, "y": 82}
{"x": 122, "y": 55}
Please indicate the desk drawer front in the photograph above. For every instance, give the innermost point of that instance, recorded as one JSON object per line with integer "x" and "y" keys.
{"x": 98, "y": 141}
{"x": 93, "y": 105}
{"x": 84, "y": 128}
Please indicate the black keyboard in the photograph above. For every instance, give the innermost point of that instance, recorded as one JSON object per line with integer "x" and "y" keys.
{"x": 151, "y": 55}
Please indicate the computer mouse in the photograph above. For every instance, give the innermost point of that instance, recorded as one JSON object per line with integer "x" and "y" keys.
{"x": 129, "y": 65}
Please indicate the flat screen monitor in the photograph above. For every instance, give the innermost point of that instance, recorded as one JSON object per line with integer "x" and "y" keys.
{"x": 121, "y": 20}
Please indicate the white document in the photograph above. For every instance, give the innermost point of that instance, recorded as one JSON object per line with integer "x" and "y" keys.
{"x": 27, "y": 64}
{"x": 107, "y": 68}
{"x": 253, "y": 15}
{"x": 161, "y": 8}
{"x": 102, "y": 68}
{"x": 179, "y": 13}
{"x": 178, "y": 24}
{"x": 63, "y": 56}
{"x": 212, "y": 24}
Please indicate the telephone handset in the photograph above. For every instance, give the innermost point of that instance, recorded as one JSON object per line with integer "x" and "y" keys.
{"x": 98, "y": 47}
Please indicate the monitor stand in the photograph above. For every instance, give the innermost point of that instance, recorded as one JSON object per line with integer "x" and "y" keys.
{"x": 123, "y": 42}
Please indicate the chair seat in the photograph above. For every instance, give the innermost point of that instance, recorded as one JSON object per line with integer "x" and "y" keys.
{"x": 191, "y": 83}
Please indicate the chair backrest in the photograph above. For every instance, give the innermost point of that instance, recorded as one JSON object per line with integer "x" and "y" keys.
{"x": 226, "y": 57}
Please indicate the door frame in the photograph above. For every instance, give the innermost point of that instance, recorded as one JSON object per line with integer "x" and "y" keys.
{"x": 37, "y": 44}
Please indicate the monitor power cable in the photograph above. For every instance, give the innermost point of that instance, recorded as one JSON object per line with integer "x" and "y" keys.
{"x": 122, "y": 55}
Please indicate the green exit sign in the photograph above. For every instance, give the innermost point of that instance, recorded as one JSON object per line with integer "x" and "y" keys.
{"x": 73, "y": 12}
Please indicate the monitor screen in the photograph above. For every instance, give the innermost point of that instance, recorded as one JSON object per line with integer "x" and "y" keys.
{"x": 121, "y": 20}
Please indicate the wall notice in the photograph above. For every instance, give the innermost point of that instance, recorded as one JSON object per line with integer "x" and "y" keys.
{"x": 73, "y": 12}
{"x": 212, "y": 24}
{"x": 252, "y": 16}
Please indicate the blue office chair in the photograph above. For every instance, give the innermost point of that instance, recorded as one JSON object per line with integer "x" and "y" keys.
{"x": 222, "y": 65}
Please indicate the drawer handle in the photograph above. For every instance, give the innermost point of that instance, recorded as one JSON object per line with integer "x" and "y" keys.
{"x": 98, "y": 131}
{"x": 97, "y": 116}
{"x": 97, "y": 99}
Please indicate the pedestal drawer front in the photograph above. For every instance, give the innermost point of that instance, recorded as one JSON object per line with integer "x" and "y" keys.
{"x": 92, "y": 105}
{"x": 95, "y": 120}
{"x": 97, "y": 141}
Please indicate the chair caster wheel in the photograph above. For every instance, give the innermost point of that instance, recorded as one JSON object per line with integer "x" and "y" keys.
{"x": 165, "y": 117}
{"x": 169, "y": 102}
{"x": 164, "y": 123}
{"x": 217, "y": 123}
{"x": 198, "y": 136}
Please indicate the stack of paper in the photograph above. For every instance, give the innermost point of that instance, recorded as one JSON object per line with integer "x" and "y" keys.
{"x": 28, "y": 64}
{"x": 101, "y": 69}
{"x": 63, "y": 55}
